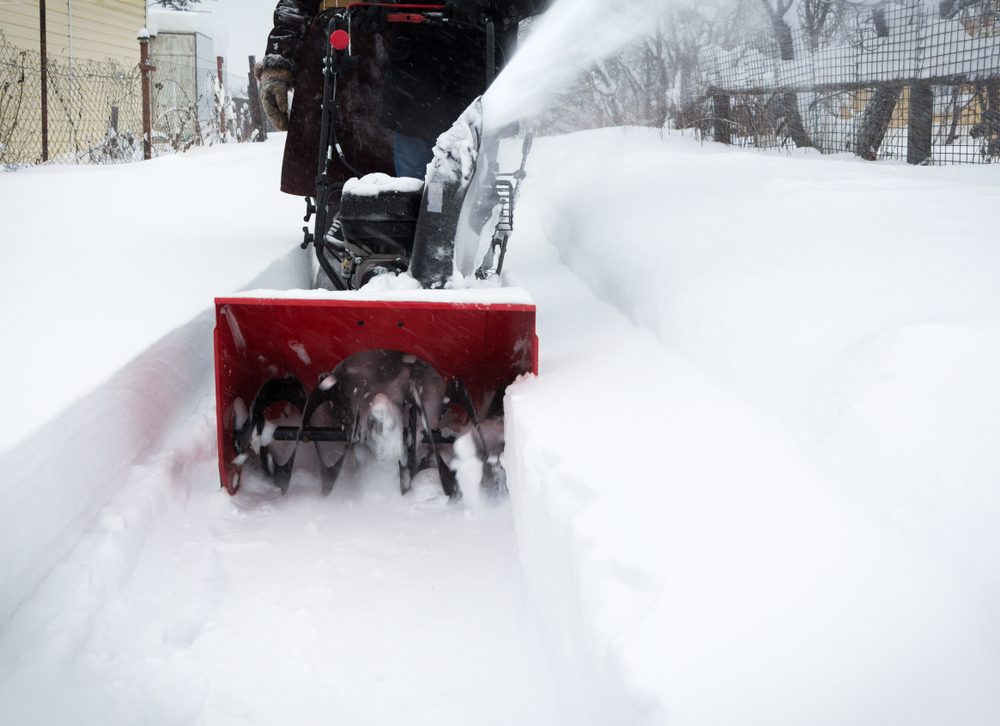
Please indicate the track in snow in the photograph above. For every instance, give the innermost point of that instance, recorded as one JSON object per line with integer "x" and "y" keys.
{"x": 184, "y": 605}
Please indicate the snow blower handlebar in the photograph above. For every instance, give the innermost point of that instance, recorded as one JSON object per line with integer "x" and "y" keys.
{"x": 339, "y": 60}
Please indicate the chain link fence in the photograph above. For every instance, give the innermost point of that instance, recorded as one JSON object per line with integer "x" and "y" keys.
{"x": 897, "y": 79}
{"x": 893, "y": 81}
{"x": 94, "y": 110}
{"x": 91, "y": 112}
{"x": 881, "y": 79}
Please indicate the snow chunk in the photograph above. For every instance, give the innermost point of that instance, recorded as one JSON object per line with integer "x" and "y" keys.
{"x": 468, "y": 468}
{"x": 459, "y": 143}
{"x": 371, "y": 185}
{"x": 300, "y": 350}
{"x": 382, "y": 283}
{"x": 401, "y": 288}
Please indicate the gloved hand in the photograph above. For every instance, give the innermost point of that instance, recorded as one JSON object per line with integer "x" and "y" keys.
{"x": 274, "y": 86}
{"x": 465, "y": 11}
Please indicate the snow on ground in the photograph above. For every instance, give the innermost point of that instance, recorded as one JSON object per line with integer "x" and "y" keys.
{"x": 755, "y": 482}
{"x": 110, "y": 258}
{"x": 759, "y": 466}
{"x": 106, "y": 340}
{"x": 133, "y": 590}
{"x": 183, "y": 605}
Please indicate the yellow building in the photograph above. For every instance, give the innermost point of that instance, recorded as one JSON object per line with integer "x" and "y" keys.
{"x": 92, "y": 54}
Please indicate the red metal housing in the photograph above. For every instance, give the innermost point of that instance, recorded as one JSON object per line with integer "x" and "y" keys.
{"x": 486, "y": 345}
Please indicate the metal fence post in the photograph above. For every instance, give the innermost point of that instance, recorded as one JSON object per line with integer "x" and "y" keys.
{"x": 147, "y": 116}
{"x": 722, "y": 131}
{"x": 43, "y": 49}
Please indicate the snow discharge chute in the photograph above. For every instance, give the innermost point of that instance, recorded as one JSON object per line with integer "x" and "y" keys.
{"x": 405, "y": 373}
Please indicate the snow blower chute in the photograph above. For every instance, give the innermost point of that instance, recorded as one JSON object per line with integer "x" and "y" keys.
{"x": 405, "y": 373}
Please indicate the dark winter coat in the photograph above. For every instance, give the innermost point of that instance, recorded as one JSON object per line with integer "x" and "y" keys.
{"x": 413, "y": 79}
{"x": 434, "y": 73}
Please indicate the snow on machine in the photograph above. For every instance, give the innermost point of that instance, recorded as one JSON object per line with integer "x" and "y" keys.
{"x": 413, "y": 375}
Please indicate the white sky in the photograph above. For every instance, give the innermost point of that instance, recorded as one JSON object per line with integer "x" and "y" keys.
{"x": 246, "y": 24}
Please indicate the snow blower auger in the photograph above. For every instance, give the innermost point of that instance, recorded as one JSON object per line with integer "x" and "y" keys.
{"x": 406, "y": 373}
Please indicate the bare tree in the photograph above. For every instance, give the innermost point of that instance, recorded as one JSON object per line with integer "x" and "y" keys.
{"x": 782, "y": 30}
{"x": 688, "y": 33}
{"x": 819, "y": 19}
{"x": 879, "y": 109}
{"x": 655, "y": 79}
{"x": 786, "y": 48}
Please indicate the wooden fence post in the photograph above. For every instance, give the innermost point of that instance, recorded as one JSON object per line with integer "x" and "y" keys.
{"x": 876, "y": 119}
{"x": 222, "y": 100}
{"x": 43, "y": 49}
{"x": 722, "y": 122}
{"x": 147, "y": 116}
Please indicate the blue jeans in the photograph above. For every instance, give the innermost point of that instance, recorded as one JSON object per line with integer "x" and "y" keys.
{"x": 411, "y": 156}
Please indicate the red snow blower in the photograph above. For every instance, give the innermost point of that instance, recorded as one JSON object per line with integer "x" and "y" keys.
{"x": 404, "y": 373}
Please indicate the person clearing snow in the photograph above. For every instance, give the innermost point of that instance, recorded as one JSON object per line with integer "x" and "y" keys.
{"x": 413, "y": 80}
{"x": 428, "y": 63}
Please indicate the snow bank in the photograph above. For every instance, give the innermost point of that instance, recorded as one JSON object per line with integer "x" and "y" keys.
{"x": 56, "y": 480}
{"x": 100, "y": 378}
{"x": 101, "y": 262}
{"x": 856, "y": 303}
{"x": 371, "y": 185}
{"x": 757, "y": 479}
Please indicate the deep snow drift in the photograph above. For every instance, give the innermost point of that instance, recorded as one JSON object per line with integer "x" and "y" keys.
{"x": 110, "y": 259}
{"x": 761, "y": 454}
{"x": 755, "y": 482}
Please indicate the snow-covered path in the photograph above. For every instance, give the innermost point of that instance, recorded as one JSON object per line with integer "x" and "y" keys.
{"x": 756, "y": 481}
{"x": 132, "y": 589}
{"x": 360, "y": 608}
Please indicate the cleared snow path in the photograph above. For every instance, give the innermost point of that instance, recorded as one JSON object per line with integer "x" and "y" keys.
{"x": 132, "y": 590}
{"x": 184, "y": 605}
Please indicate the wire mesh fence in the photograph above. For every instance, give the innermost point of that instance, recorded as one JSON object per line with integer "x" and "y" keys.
{"x": 92, "y": 111}
{"x": 882, "y": 79}
{"x": 896, "y": 79}
{"x": 893, "y": 81}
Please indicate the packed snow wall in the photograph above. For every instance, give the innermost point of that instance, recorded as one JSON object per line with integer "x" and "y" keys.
{"x": 57, "y": 479}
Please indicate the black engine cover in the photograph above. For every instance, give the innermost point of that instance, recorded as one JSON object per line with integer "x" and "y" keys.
{"x": 382, "y": 223}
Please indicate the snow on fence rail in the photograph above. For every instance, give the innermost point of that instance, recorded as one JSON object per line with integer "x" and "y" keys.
{"x": 892, "y": 81}
{"x": 91, "y": 112}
